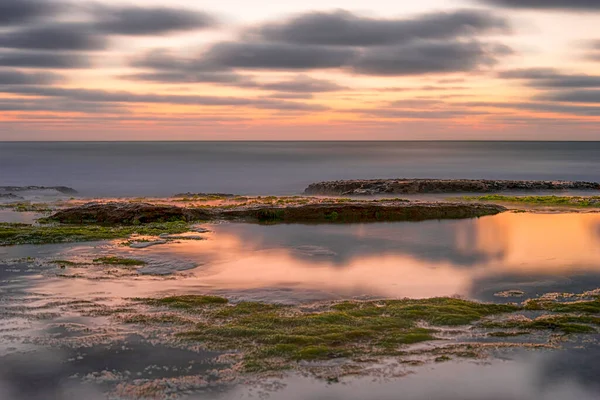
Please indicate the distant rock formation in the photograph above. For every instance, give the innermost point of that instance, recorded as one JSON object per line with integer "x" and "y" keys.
{"x": 60, "y": 189}
{"x": 411, "y": 186}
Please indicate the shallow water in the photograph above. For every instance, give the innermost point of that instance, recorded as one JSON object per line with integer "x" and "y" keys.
{"x": 535, "y": 253}
{"x": 166, "y": 168}
{"x": 300, "y": 263}
{"x": 560, "y": 375}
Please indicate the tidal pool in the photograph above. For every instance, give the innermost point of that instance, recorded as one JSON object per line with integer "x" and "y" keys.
{"x": 534, "y": 253}
{"x": 54, "y": 311}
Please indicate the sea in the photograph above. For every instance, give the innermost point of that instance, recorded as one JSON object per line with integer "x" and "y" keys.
{"x": 98, "y": 169}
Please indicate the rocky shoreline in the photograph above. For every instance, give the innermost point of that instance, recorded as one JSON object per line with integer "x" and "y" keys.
{"x": 413, "y": 186}
{"x": 324, "y": 212}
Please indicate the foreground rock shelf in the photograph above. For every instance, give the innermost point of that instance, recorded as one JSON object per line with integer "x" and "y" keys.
{"x": 322, "y": 212}
{"x": 412, "y": 186}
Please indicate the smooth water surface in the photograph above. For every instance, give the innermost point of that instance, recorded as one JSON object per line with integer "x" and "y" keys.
{"x": 473, "y": 258}
{"x": 166, "y": 168}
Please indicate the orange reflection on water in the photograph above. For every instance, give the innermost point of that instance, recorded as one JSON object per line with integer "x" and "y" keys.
{"x": 546, "y": 243}
{"x": 248, "y": 263}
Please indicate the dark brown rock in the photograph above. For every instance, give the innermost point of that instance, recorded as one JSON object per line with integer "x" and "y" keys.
{"x": 362, "y": 212}
{"x": 127, "y": 213}
{"x": 324, "y": 212}
{"x": 412, "y": 186}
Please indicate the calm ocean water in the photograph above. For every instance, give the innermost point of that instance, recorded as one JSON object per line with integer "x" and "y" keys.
{"x": 165, "y": 168}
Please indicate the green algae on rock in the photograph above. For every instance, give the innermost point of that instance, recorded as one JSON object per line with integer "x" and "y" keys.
{"x": 112, "y": 260}
{"x": 564, "y": 201}
{"x": 14, "y": 234}
{"x": 272, "y": 335}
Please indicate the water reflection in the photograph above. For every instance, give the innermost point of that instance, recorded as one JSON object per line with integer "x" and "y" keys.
{"x": 519, "y": 377}
{"x": 536, "y": 253}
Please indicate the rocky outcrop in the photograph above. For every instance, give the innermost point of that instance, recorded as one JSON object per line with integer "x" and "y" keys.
{"x": 362, "y": 212}
{"x": 127, "y": 213}
{"x": 324, "y": 212}
{"x": 60, "y": 189}
{"x": 411, "y": 186}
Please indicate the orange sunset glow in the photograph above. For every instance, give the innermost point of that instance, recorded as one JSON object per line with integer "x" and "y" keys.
{"x": 311, "y": 70}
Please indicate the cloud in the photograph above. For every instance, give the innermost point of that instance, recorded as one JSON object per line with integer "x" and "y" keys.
{"x": 429, "y": 43}
{"x": 150, "y": 21}
{"x": 428, "y": 57}
{"x": 594, "y": 47}
{"x": 54, "y": 105}
{"x": 551, "y": 78}
{"x": 573, "y": 96}
{"x": 13, "y": 77}
{"x": 51, "y": 60}
{"x": 51, "y": 25}
{"x": 284, "y": 56}
{"x": 100, "y": 96}
{"x": 289, "y": 95}
{"x": 303, "y": 84}
{"x": 56, "y": 36}
{"x": 342, "y": 28}
{"x": 230, "y": 78}
{"x": 545, "y": 107}
{"x": 15, "y": 12}
{"x": 591, "y": 5}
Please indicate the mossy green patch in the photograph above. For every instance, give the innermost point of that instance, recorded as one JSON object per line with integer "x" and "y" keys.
{"x": 592, "y": 306}
{"x": 566, "y": 324}
{"x": 119, "y": 261}
{"x": 149, "y": 319}
{"x": 66, "y": 263}
{"x": 185, "y": 302}
{"x": 266, "y": 331}
{"x": 14, "y": 234}
{"x": 27, "y": 207}
{"x": 570, "y": 201}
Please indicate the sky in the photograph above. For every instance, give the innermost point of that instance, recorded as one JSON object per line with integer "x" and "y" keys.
{"x": 299, "y": 70}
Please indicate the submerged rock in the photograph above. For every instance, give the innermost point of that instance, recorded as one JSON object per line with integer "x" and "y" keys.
{"x": 407, "y": 186}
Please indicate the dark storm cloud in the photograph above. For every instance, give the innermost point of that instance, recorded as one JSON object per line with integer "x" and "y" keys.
{"x": 343, "y": 28}
{"x": 12, "y": 77}
{"x": 56, "y": 36}
{"x": 428, "y": 57}
{"x": 43, "y": 60}
{"x": 573, "y": 96}
{"x": 552, "y": 78}
{"x": 149, "y": 21}
{"x": 14, "y": 12}
{"x": 259, "y": 55}
{"x": 593, "y": 5}
{"x": 102, "y": 96}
